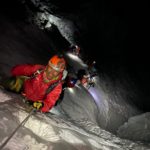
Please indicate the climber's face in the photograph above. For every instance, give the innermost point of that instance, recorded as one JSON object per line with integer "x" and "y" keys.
{"x": 51, "y": 73}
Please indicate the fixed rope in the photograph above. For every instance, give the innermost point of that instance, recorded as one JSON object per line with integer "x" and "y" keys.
{"x": 21, "y": 124}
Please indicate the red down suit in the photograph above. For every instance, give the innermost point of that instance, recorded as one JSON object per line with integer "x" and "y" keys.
{"x": 35, "y": 88}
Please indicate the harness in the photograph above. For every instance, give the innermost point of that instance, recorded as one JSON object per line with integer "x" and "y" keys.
{"x": 52, "y": 86}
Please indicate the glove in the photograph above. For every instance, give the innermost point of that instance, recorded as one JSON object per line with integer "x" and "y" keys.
{"x": 38, "y": 105}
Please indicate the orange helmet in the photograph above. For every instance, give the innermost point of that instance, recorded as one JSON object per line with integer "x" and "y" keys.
{"x": 57, "y": 63}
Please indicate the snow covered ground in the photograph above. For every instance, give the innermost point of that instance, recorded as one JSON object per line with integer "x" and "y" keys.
{"x": 53, "y": 131}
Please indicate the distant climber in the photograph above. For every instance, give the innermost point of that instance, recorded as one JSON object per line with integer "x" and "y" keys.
{"x": 83, "y": 77}
{"x": 75, "y": 49}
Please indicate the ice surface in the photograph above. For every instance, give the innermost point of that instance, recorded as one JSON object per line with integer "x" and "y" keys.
{"x": 137, "y": 128}
{"x": 52, "y": 131}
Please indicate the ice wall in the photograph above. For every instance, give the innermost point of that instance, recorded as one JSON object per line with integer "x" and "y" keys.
{"x": 104, "y": 106}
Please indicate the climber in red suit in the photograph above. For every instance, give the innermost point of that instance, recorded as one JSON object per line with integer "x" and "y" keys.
{"x": 35, "y": 80}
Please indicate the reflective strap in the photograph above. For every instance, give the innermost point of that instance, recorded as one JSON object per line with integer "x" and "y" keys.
{"x": 65, "y": 72}
{"x": 37, "y": 72}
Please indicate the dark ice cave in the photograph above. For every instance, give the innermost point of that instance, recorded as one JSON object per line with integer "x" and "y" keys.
{"x": 112, "y": 33}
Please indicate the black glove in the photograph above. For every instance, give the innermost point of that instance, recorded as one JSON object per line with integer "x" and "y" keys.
{"x": 38, "y": 104}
